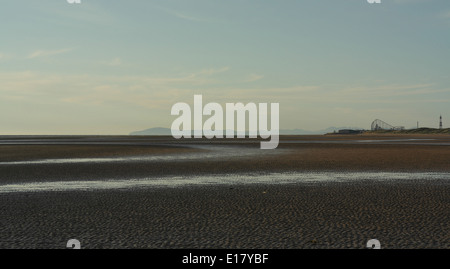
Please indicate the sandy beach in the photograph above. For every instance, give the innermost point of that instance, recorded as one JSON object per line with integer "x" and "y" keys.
{"x": 299, "y": 214}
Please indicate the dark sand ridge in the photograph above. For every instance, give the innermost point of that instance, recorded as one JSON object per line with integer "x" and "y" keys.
{"x": 10, "y": 153}
{"x": 320, "y": 215}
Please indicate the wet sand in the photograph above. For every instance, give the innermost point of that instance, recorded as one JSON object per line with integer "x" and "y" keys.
{"x": 401, "y": 214}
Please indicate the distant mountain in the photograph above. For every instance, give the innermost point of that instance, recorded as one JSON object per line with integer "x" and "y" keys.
{"x": 153, "y": 131}
{"x": 166, "y": 131}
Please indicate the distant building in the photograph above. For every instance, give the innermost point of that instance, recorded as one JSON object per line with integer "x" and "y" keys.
{"x": 349, "y": 131}
{"x": 440, "y": 122}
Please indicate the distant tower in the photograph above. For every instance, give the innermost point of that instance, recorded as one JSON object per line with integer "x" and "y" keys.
{"x": 440, "y": 122}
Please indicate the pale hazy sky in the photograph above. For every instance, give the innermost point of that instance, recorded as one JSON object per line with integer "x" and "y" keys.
{"x": 112, "y": 67}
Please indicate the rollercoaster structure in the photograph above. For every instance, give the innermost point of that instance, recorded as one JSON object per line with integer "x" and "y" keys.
{"x": 381, "y": 125}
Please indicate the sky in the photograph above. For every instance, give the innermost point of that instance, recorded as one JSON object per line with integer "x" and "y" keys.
{"x": 111, "y": 67}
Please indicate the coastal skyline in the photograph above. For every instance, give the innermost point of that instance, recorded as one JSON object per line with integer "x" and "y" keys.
{"x": 114, "y": 67}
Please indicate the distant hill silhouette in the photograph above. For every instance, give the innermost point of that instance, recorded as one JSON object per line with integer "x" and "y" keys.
{"x": 153, "y": 131}
{"x": 166, "y": 131}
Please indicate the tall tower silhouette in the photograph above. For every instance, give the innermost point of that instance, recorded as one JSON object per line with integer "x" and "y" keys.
{"x": 440, "y": 122}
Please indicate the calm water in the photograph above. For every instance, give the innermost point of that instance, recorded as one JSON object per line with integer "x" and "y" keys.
{"x": 233, "y": 179}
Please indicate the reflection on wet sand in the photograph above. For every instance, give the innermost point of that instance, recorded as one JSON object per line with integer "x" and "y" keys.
{"x": 232, "y": 179}
{"x": 206, "y": 152}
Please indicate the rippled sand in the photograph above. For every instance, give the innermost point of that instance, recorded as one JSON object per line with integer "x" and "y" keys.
{"x": 143, "y": 193}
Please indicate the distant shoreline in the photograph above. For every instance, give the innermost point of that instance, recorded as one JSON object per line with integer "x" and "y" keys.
{"x": 411, "y": 131}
